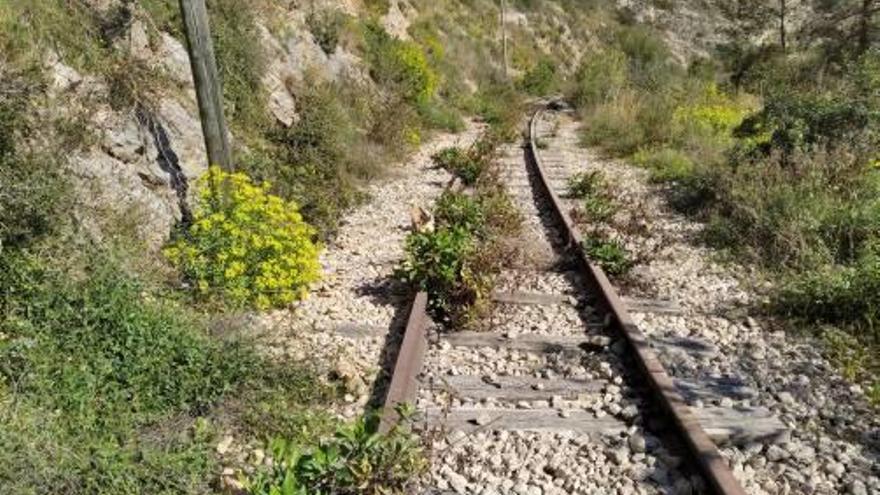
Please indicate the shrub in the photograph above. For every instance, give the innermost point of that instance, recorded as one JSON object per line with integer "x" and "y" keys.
{"x": 500, "y": 106}
{"x": 463, "y": 164}
{"x": 650, "y": 62}
{"x": 666, "y": 164}
{"x": 436, "y": 263}
{"x": 608, "y": 254}
{"x": 319, "y": 161}
{"x": 614, "y": 125}
{"x": 540, "y": 79}
{"x": 599, "y": 79}
{"x": 460, "y": 209}
{"x": 247, "y": 244}
{"x": 585, "y": 184}
{"x": 108, "y": 386}
{"x": 837, "y": 294}
{"x": 357, "y": 459}
{"x": 325, "y": 27}
{"x": 400, "y": 64}
{"x": 241, "y": 61}
{"x": 598, "y": 208}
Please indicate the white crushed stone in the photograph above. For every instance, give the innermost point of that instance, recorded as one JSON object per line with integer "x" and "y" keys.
{"x": 834, "y": 444}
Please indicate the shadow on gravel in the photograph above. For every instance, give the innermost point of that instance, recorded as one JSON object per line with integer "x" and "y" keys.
{"x": 387, "y": 292}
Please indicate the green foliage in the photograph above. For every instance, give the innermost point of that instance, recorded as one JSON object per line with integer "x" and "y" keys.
{"x": 326, "y": 26}
{"x": 91, "y": 366}
{"x": 500, "y": 106}
{"x": 666, "y": 164}
{"x": 399, "y": 64}
{"x": 248, "y": 245}
{"x": 849, "y": 294}
{"x": 790, "y": 123}
{"x": 599, "y": 78}
{"x": 34, "y": 190}
{"x": 463, "y": 164}
{"x": 378, "y": 7}
{"x": 585, "y": 184}
{"x": 70, "y": 27}
{"x": 241, "y": 62}
{"x": 460, "y": 209}
{"x": 608, "y": 254}
{"x": 318, "y": 161}
{"x": 540, "y": 79}
{"x": 650, "y": 62}
{"x": 456, "y": 262}
{"x": 107, "y": 386}
{"x": 357, "y": 459}
{"x": 598, "y": 208}
{"x": 436, "y": 263}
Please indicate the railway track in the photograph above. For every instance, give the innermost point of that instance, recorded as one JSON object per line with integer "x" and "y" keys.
{"x": 562, "y": 393}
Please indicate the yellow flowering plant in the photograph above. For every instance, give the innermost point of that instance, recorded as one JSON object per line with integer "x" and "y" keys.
{"x": 245, "y": 243}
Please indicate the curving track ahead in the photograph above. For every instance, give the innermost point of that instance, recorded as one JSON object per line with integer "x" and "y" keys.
{"x": 563, "y": 393}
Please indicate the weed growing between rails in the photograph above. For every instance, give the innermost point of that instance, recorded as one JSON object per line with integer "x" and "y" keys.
{"x": 456, "y": 262}
{"x": 596, "y": 211}
{"x": 356, "y": 459}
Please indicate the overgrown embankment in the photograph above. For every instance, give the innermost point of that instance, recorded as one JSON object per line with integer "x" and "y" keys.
{"x": 781, "y": 167}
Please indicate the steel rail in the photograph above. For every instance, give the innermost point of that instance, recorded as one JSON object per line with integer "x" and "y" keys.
{"x": 404, "y": 379}
{"x": 709, "y": 460}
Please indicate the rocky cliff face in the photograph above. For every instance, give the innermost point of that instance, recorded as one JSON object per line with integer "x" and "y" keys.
{"x": 139, "y": 164}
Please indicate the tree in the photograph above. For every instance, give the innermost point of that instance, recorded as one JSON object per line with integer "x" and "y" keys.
{"x": 846, "y": 27}
{"x": 748, "y": 20}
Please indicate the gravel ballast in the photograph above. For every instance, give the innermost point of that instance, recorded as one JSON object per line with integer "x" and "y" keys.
{"x": 833, "y": 443}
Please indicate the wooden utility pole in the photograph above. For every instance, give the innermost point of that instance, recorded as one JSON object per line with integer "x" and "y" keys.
{"x": 504, "y": 36}
{"x": 783, "y": 11}
{"x": 208, "y": 91}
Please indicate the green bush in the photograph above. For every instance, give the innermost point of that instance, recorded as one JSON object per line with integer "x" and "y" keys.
{"x": 357, "y": 459}
{"x": 248, "y": 245}
{"x": 319, "y": 161}
{"x": 651, "y": 67}
{"x": 456, "y": 263}
{"x": 608, "y": 254}
{"x": 599, "y": 78}
{"x": 598, "y": 208}
{"x": 540, "y": 79}
{"x": 614, "y": 125}
{"x": 666, "y": 164}
{"x": 460, "y": 209}
{"x": 399, "y": 64}
{"x": 500, "y": 106}
{"x": 463, "y": 164}
{"x": 108, "y": 386}
{"x": 326, "y": 26}
{"x": 436, "y": 262}
{"x": 585, "y": 184}
{"x": 837, "y": 294}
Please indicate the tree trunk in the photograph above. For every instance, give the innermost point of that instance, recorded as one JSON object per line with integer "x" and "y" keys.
{"x": 504, "y": 35}
{"x": 864, "y": 38}
{"x": 783, "y": 8}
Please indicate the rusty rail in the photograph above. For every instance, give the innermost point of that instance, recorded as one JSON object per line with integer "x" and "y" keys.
{"x": 712, "y": 465}
{"x": 404, "y": 380}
